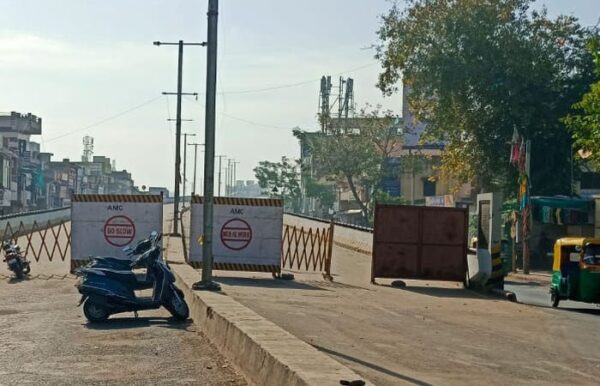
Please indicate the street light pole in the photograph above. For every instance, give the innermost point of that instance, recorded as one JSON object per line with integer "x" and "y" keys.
{"x": 209, "y": 156}
{"x": 179, "y": 93}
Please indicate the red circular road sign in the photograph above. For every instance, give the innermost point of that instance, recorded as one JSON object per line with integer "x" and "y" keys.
{"x": 119, "y": 231}
{"x": 236, "y": 234}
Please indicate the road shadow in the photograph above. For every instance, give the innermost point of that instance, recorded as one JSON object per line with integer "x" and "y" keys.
{"x": 132, "y": 322}
{"x": 372, "y": 366}
{"x": 14, "y": 280}
{"x": 585, "y": 311}
{"x": 524, "y": 284}
{"x": 266, "y": 283}
{"x": 439, "y": 292}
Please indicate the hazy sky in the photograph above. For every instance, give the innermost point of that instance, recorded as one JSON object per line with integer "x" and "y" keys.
{"x": 86, "y": 67}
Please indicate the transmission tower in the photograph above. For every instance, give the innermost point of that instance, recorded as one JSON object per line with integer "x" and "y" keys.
{"x": 344, "y": 102}
{"x": 88, "y": 149}
{"x": 324, "y": 113}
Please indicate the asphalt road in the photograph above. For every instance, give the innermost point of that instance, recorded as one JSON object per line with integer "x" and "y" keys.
{"x": 536, "y": 294}
{"x": 45, "y": 339}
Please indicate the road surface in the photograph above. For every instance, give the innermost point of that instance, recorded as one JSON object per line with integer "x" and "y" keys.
{"x": 430, "y": 333}
{"x": 45, "y": 339}
{"x": 537, "y": 294}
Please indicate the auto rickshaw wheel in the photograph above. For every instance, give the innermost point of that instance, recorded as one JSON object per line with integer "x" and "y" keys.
{"x": 555, "y": 299}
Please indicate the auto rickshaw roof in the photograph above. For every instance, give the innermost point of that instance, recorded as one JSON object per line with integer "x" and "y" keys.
{"x": 566, "y": 241}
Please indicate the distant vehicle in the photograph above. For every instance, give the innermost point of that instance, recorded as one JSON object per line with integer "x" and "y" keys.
{"x": 108, "y": 291}
{"x": 576, "y": 270}
{"x": 16, "y": 261}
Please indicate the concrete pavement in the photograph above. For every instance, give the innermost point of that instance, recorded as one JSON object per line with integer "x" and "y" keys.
{"x": 45, "y": 339}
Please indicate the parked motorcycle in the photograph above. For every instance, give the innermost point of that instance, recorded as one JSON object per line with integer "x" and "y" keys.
{"x": 16, "y": 261}
{"x": 108, "y": 291}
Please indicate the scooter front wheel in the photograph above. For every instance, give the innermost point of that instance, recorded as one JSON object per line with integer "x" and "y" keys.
{"x": 177, "y": 306}
{"x": 94, "y": 312}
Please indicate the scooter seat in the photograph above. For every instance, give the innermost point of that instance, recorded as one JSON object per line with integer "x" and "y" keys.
{"x": 119, "y": 274}
{"x": 113, "y": 262}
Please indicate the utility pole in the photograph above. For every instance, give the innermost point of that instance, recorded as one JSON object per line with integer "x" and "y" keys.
{"x": 226, "y": 181}
{"x": 185, "y": 135}
{"x": 412, "y": 177}
{"x": 179, "y": 93}
{"x": 209, "y": 156}
{"x": 527, "y": 210}
{"x": 228, "y": 187}
{"x": 195, "y": 145}
{"x": 235, "y": 163}
{"x": 220, "y": 170}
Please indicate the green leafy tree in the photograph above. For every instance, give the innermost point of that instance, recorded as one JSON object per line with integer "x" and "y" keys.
{"x": 280, "y": 180}
{"x": 478, "y": 69}
{"x": 324, "y": 192}
{"x": 586, "y": 125}
{"x": 355, "y": 153}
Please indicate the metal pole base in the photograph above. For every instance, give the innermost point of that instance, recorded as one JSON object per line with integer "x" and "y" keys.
{"x": 206, "y": 286}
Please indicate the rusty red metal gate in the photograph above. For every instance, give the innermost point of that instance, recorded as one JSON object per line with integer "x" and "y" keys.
{"x": 412, "y": 242}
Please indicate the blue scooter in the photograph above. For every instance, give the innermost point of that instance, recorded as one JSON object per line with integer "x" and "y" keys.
{"x": 107, "y": 291}
{"x": 142, "y": 281}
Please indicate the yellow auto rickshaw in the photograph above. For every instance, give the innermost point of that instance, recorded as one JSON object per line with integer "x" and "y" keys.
{"x": 576, "y": 270}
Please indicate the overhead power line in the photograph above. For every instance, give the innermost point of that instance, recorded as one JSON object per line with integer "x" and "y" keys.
{"x": 290, "y": 85}
{"x": 107, "y": 119}
{"x": 253, "y": 123}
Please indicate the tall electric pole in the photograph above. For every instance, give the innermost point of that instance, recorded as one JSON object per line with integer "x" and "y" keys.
{"x": 209, "y": 156}
{"x": 195, "y": 145}
{"x": 220, "y": 170}
{"x": 179, "y": 93}
{"x": 185, "y": 135}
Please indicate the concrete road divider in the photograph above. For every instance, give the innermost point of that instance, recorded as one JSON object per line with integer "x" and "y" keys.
{"x": 20, "y": 224}
{"x": 264, "y": 352}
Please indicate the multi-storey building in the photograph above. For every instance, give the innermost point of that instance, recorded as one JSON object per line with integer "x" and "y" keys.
{"x": 30, "y": 180}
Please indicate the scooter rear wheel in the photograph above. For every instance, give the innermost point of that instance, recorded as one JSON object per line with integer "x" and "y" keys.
{"x": 19, "y": 271}
{"x": 94, "y": 312}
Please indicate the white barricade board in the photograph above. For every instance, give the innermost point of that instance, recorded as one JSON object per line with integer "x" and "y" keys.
{"x": 103, "y": 224}
{"x": 246, "y": 234}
